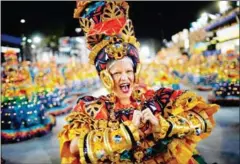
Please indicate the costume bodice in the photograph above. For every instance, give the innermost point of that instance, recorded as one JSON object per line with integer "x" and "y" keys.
{"x": 99, "y": 114}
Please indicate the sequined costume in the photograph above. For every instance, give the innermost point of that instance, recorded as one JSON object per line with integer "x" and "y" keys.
{"x": 104, "y": 127}
{"x": 22, "y": 115}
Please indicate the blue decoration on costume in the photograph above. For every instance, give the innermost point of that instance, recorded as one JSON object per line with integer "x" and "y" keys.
{"x": 100, "y": 154}
{"x": 117, "y": 138}
{"x": 149, "y": 151}
{"x": 92, "y": 8}
{"x": 125, "y": 155}
{"x": 198, "y": 131}
{"x": 175, "y": 86}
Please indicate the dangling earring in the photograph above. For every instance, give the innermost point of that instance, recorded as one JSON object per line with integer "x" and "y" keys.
{"x": 137, "y": 73}
{"x": 107, "y": 80}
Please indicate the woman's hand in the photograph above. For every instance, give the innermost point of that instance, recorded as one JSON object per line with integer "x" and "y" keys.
{"x": 136, "y": 120}
{"x": 147, "y": 115}
{"x": 74, "y": 146}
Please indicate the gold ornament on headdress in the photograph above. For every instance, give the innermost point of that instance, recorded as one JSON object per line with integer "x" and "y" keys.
{"x": 112, "y": 10}
{"x": 116, "y": 51}
{"x": 125, "y": 39}
{"x": 86, "y": 24}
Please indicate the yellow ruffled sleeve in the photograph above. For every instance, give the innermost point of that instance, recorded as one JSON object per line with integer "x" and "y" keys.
{"x": 78, "y": 123}
{"x": 98, "y": 139}
{"x": 187, "y": 120}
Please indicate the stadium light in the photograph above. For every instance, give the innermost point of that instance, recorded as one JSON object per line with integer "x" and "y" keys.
{"x": 37, "y": 39}
{"x": 22, "y": 20}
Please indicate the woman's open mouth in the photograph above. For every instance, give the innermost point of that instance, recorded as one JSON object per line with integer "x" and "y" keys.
{"x": 125, "y": 87}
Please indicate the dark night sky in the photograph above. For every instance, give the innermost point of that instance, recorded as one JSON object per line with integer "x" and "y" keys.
{"x": 156, "y": 19}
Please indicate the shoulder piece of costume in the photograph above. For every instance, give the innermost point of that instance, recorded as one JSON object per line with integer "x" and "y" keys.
{"x": 95, "y": 107}
{"x": 173, "y": 102}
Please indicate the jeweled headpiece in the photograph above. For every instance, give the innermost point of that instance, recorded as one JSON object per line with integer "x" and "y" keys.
{"x": 108, "y": 30}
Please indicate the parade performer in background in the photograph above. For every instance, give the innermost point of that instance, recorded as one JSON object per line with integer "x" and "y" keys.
{"x": 89, "y": 77}
{"x": 74, "y": 78}
{"x": 25, "y": 71}
{"x": 80, "y": 78}
{"x": 179, "y": 65}
{"x": 158, "y": 75}
{"x": 131, "y": 124}
{"x": 202, "y": 71}
{"x": 57, "y": 80}
{"x": 50, "y": 90}
{"x": 22, "y": 116}
{"x": 226, "y": 90}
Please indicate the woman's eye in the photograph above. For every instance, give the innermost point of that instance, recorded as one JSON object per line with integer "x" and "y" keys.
{"x": 117, "y": 73}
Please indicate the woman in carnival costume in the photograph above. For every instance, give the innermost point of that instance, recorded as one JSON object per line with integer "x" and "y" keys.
{"x": 131, "y": 124}
{"x": 22, "y": 116}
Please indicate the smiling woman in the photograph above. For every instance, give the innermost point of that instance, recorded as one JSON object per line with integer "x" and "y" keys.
{"x": 132, "y": 124}
{"x": 123, "y": 78}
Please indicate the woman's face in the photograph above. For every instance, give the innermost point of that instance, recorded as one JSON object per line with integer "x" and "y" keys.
{"x": 123, "y": 77}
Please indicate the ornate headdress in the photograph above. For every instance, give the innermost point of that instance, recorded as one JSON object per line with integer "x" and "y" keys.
{"x": 109, "y": 34}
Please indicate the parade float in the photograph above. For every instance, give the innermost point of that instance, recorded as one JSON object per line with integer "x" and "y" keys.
{"x": 22, "y": 114}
